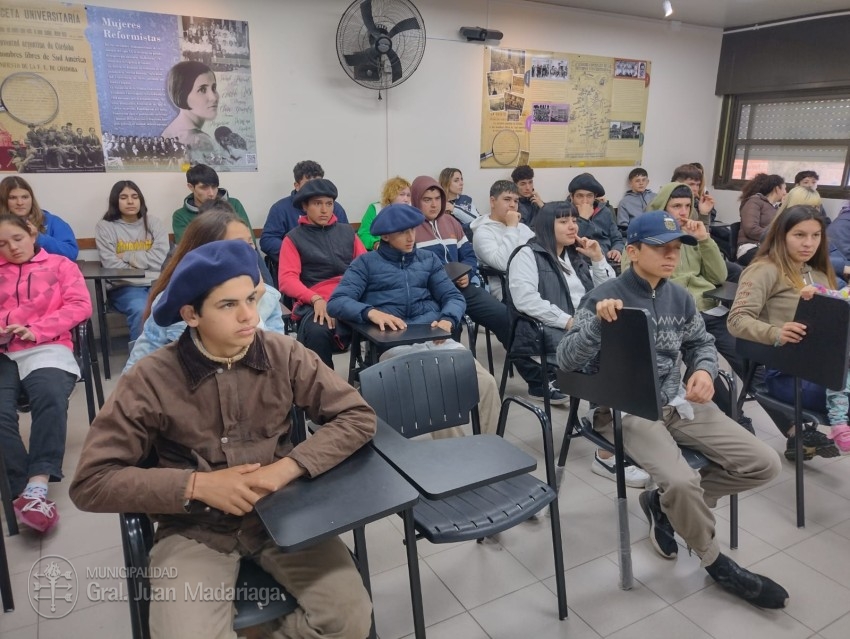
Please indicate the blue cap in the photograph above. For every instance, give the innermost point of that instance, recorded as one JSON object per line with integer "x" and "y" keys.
{"x": 200, "y": 271}
{"x": 657, "y": 228}
{"x": 396, "y": 218}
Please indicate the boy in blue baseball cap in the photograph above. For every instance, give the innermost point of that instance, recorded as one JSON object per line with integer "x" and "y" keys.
{"x": 213, "y": 410}
{"x": 739, "y": 461}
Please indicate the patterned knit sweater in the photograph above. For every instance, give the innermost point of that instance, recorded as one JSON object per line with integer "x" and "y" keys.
{"x": 677, "y": 328}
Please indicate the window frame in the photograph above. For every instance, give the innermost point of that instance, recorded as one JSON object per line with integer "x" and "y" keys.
{"x": 728, "y": 140}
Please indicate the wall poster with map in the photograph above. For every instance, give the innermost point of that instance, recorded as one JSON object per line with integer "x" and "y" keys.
{"x": 549, "y": 109}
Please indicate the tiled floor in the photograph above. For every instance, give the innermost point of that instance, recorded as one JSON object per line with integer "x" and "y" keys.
{"x": 506, "y": 590}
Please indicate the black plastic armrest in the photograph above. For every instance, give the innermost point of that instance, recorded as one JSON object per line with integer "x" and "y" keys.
{"x": 545, "y": 426}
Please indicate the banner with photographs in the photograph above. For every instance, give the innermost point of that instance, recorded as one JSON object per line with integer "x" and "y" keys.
{"x": 551, "y": 109}
{"x": 88, "y": 88}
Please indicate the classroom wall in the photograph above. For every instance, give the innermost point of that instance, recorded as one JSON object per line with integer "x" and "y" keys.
{"x": 306, "y": 107}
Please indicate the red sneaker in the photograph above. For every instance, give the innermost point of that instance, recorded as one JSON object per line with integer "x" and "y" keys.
{"x": 36, "y": 512}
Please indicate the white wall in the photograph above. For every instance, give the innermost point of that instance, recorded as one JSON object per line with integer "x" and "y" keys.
{"x": 307, "y": 108}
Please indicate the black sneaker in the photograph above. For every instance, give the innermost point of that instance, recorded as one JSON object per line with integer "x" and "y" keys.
{"x": 814, "y": 443}
{"x": 661, "y": 532}
{"x": 747, "y": 423}
{"x": 758, "y": 590}
{"x": 556, "y": 397}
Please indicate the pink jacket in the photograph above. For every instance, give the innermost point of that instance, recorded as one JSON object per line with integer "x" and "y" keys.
{"x": 47, "y": 294}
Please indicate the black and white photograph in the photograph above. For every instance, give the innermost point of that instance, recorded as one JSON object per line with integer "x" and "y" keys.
{"x": 502, "y": 59}
{"x": 618, "y": 130}
{"x": 550, "y": 69}
{"x": 499, "y": 82}
{"x": 630, "y": 69}
{"x": 514, "y": 101}
{"x": 497, "y": 103}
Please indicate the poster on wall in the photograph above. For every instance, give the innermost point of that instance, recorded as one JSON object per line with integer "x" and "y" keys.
{"x": 549, "y": 109}
{"x": 88, "y": 88}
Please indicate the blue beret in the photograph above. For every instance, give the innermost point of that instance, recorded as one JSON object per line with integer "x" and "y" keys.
{"x": 314, "y": 188}
{"x": 200, "y": 271}
{"x": 396, "y": 218}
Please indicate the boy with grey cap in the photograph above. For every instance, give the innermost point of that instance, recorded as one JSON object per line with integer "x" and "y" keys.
{"x": 683, "y": 500}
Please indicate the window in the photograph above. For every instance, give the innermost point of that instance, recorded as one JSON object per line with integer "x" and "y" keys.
{"x": 784, "y": 134}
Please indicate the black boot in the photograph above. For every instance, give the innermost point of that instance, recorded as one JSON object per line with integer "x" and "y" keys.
{"x": 758, "y": 590}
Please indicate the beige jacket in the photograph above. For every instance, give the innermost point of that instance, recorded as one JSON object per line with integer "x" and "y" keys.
{"x": 765, "y": 301}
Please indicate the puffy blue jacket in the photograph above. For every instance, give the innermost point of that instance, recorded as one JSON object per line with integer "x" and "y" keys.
{"x": 413, "y": 286}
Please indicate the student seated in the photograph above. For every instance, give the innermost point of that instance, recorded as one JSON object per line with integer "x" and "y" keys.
{"x": 684, "y": 498}
{"x": 529, "y": 200}
{"x": 54, "y": 234}
{"x": 223, "y": 376}
{"x": 443, "y": 236}
{"x": 596, "y": 218}
{"x": 202, "y": 181}
{"x": 498, "y": 234}
{"x": 395, "y": 191}
{"x": 42, "y": 297}
{"x": 399, "y": 284}
{"x": 217, "y": 222}
{"x": 127, "y": 237}
{"x": 548, "y": 276}
{"x": 313, "y": 258}
{"x": 283, "y": 215}
{"x": 760, "y": 198}
{"x": 701, "y": 268}
{"x": 703, "y": 208}
{"x": 792, "y": 255}
{"x": 458, "y": 205}
{"x": 636, "y": 199}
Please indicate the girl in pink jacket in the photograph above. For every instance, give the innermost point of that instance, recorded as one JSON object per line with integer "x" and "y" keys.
{"x": 42, "y": 297}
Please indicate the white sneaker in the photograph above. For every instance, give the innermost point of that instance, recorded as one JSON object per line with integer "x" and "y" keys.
{"x": 635, "y": 477}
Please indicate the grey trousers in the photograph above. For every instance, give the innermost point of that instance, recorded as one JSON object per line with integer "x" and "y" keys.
{"x": 739, "y": 462}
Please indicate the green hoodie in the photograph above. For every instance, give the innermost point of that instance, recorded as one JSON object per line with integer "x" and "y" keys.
{"x": 701, "y": 267}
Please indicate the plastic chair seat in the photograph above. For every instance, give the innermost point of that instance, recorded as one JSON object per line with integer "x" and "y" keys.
{"x": 251, "y": 613}
{"x": 485, "y": 511}
{"x": 768, "y": 402}
{"x": 268, "y": 600}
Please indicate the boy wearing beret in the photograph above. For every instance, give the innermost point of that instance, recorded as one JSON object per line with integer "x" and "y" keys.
{"x": 212, "y": 409}
{"x": 284, "y": 214}
{"x": 596, "y": 219}
{"x": 739, "y": 461}
{"x": 313, "y": 258}
{"x": 399, "y": 284}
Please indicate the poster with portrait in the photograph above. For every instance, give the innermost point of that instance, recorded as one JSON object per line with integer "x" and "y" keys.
{"x": 162, "y": 92}
{"x": 568, "y": 110}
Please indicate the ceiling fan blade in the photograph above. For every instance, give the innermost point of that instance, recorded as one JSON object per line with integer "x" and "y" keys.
{"x": 366, "y": 56}
{"x": 405, "y": 25}
{"x": 368, "y": 20}
{"x": 396, "y": 65}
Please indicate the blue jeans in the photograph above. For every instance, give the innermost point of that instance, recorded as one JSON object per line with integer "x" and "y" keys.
{"x": 48, "y": 390}
{"x": 131, "y": 302}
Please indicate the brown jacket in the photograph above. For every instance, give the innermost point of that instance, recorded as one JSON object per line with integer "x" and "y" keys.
{"x": 188, "y": 413}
